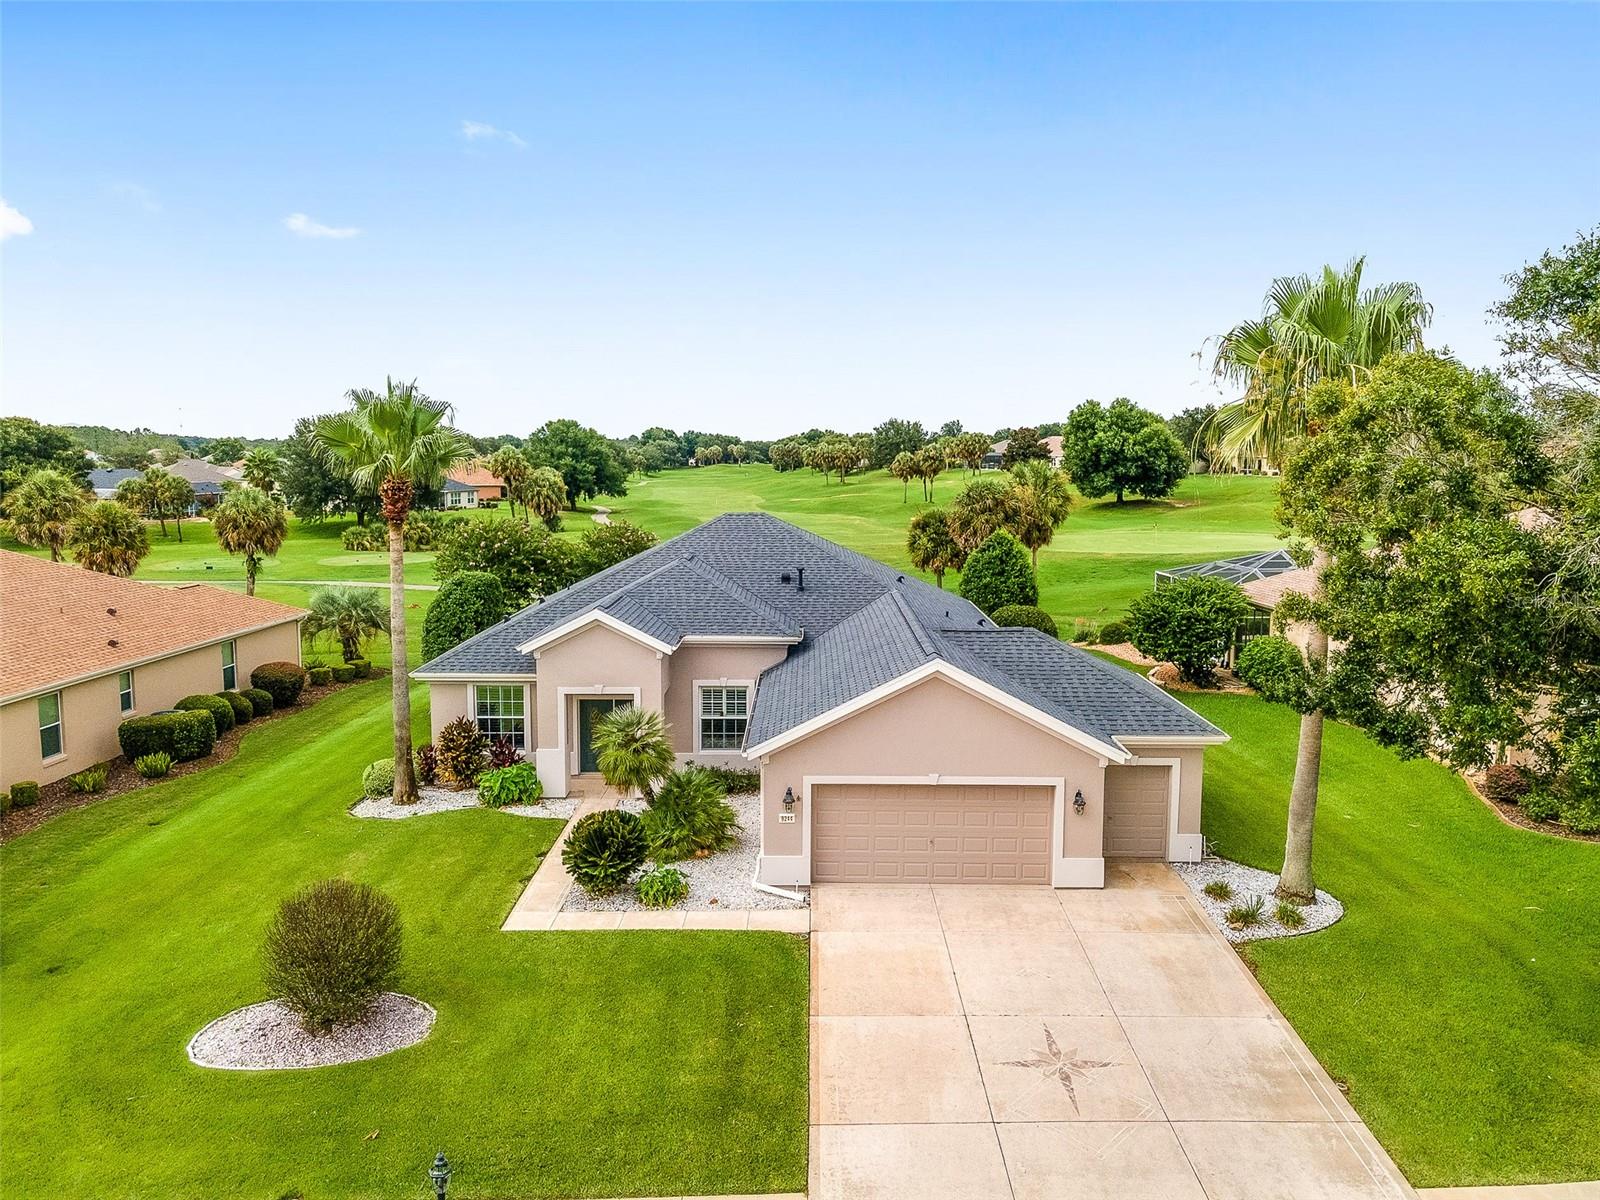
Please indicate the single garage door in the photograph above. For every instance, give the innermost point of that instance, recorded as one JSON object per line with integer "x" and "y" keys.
{"x": 927, "y": 833}
{"x": 1137, "y": 806}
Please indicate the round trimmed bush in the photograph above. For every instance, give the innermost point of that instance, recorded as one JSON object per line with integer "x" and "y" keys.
{"x": 221, "y": 711}
{"x": 260, "y": 700}
{"x": 243, "y": 710}
{"x": 1189, "y": 622}
{"x": 24, "y": 793}
{"x": 362, "y": 667}
{"x": 182, "y": 734}
{"x": 1013, "y": 615}
{"x": 604, "y": 849}
{"x": 1276, "y": 669}
{"x": 283, "y": 681}
{"x": 320, "y": 676}
{"x": 378, "y": 779}
{"x": 516, "y": 784}
{"x": 343, "y": 673}
{"x": 332, "y": 949}
{"x": 689, "y": 815}
{"x": 662, "y": 887}
{"x": 1505, "y": 784}
{"x": 999, "y": 573}
{"x": 1113, "y": 633}
{"x": 467, "y": 604}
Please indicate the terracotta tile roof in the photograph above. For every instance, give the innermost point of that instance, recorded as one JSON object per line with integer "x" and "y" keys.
{"x": 57, "y": 622}
{"x": 476, "y": 474}
{"x": 1267, "y": 592}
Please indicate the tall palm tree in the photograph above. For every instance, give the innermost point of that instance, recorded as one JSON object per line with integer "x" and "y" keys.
{"x": 397, "y": 441}
{"x": 510, "y": 466}
{"x": 261, "y": 468}
{"x": 167, "y": 495}
{"x": 1311, "y": 328}
{"x": 350, "y": 615}
{"x": 982, "y": 507}
{"x": 1044, "y": 499}
{"x": 250, "y": 523}
{"x": 108, "y": 537}
{"x": 42, "y": 506}
{"x": 545, "y": 495}
{"x": 632, "y": 749}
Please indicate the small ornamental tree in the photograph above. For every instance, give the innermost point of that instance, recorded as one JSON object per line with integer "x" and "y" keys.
{"x": 529, "y": 563}
{"x": 607, "y": 545}
{"x": 999, "y": 573}
{"x": 332, "y": 949}
{"x": 467, "y": 604}
{"x": 1190, "y": 623}
{"x": 1122, "y": 449}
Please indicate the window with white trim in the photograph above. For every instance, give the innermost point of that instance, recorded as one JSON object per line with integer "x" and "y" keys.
{"x": 125, "y": 691}
{"x": 501, "y": 711}
{"x": 724, "y": 713}
{"x": 50, "y": 743}
{"x": 230, "y": 668}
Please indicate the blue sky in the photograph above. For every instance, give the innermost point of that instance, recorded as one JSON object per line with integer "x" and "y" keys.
{"x": 746, "y": 219}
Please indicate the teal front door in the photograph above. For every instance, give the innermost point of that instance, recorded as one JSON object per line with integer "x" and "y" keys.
{"x": 588, "y": 710}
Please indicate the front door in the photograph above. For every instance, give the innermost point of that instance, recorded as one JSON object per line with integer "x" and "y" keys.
{"x": 588, "y": 710}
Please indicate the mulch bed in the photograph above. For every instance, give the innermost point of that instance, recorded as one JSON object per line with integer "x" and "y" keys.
{"x": 58, "y": 797}
{"x": 1512, "y": 815}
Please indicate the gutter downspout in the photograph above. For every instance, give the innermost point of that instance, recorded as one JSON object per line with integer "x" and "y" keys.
{"x": 775, "y": 891}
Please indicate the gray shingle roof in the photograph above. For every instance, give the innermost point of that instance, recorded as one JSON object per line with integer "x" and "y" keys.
{"x": 861, "y": 624}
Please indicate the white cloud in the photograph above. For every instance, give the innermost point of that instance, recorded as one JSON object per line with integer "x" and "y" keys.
{"x": 303, "y": 226}
{"x": 478, "y": 131}
{"x": 136, "y": 194}
{"x": 13, "y": 223}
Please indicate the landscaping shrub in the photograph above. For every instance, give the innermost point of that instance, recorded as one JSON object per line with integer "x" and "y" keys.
{"x": 1113, "y": 633}
{"x": 1249, "y": 913}
{"x": 1188, "y": 622}
{"x": 319, "y": 676}
{"x": 378, "y": 779}
{"x": 5, "y": 803}
{"x": 528, "y": 562}
{"x": 689, "y": 815}
{"x": 260, "y": 700}
{"x": 221, "y": 711}
{"x": 1219, "y": 889}
{"x": 243, "y": 710}
{"x": 503, "y": 752}
{"x": 1505, "y": 784}
{"x": 90, "y": 779}
{"x": 662, "y": 887}
{"x": 425, "y": 528}
{"x": 332, "y": 949}
{"x": 343, "y": 673}
{"x": 365, "y": 537}
{"x": 999, "y": 573}
{"x": 1012, "y": 615}
{"x": 604, "y": 849}
{"x": 734, "y": 781}
{"x": 1083, "y": 635}
{"x": 1276, "y": 669}
{"x": 516, "y": 783}
{"x": 182, "y": 734}
{"x": 153, "y": 766}
{"x": 427, "y": 764}
{"x": 606, "y": 545}
{"x": 466, "y": 604}
{"x": 1289, "y": 915}
{"x": 1581, "y": 813}
{"x": 24, "y": 794}
{"x": 283, "y": 681}
{"x": 1540, "y": 804}
{"x": 462, "y": 749}
{"x": 361, "y": 666}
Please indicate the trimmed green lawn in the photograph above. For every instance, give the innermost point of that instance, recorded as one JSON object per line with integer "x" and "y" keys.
{"x": 562, "y": 1064}
{"x": 1460, "y": 995}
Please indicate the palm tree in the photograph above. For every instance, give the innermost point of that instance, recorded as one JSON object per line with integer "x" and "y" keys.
{"x": 350, "y": 615}
{"x": 632, "y": 749}
{"x": 933, "y": 547}
{"x": 1043, "y": 500}
{"x": 250, "y": 523}
{"x": 1311, "y": 328}
{"x": 904, "y": 468}
{"x": 166, "y": 495}
{"x": 42, "y": 506}
{"x": 396, "y": 441}
{"x": 108, "y": 537}
{"x": 510, "y": 466}
{"x": 261, "y": 467}
{"x": 546, "y": 496}
{"x": 982, "y": 507}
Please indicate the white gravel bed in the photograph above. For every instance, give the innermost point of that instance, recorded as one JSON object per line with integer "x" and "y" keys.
{"x": 722, "y": 881}
{"x": 269, "y": 1036}
{"x": 1247, "y": 883}
{"x": 567, "y": 805}
{"x": 438, "y": 800}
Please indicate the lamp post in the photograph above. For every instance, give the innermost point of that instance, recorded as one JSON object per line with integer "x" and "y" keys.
{"x": 440, "y": 1174}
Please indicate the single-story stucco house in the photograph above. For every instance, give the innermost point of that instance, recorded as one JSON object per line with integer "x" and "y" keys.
{"x": 1265, "y": 578}
{"x": 900, "y": 735}
{"x": 453, "y": 493}
{"x": 80, "y": 652}
{"x": 993, "y": 460}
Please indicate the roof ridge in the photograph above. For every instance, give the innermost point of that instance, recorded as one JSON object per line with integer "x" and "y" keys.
{"x": 738, "y": 591}
{"x": 917, "y": 631}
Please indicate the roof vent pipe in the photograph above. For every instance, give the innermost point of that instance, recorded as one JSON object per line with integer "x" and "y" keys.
{"x": 800, "y": 573}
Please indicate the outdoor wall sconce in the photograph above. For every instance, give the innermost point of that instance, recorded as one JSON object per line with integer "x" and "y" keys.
{"x": 788, "y": 800}
{"x": 1078, "y": 802}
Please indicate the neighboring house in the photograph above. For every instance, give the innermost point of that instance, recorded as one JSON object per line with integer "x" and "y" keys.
{"x": 489, "y": 486}
{"x": 105, "y": 481}
{"x": 993, "y": 460}
{"x": 81, "y": 651}
{"x": 1265, "y": 577}
{"x": 455, "y": 494}
{"x": 901, "y": 737}
{"x": 205, "y": 478}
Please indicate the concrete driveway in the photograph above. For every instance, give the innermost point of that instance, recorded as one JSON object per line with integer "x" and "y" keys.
{"x": 977, "y": 1042}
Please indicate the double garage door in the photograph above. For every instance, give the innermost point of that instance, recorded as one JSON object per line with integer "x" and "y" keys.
{"x": 930, "y": 833}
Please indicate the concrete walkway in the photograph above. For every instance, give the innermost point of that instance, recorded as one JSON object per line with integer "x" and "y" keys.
{"x": 601, "y": 515}
{"x": 1025, "y": 1044}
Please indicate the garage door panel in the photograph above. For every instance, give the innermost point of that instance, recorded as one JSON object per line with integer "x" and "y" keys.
{"x": 922, "y": 833}
{"x": 1137, "y": 806}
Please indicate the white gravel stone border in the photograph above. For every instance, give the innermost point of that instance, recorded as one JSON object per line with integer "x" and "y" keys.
{"x": 1247, "y": 883}
{"x": 438, "y": 800}
{"x": 269, "y": 1037}
{"x": 722, "y": 882}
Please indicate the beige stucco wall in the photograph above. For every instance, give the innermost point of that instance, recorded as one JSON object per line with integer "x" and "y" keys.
{"x": 595, "y": 661}
{"x": 935, "y": 727}
{"x": 446, "y": 702}
{"x": 90, "y": 711}
{"x": 718, "y": 664}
